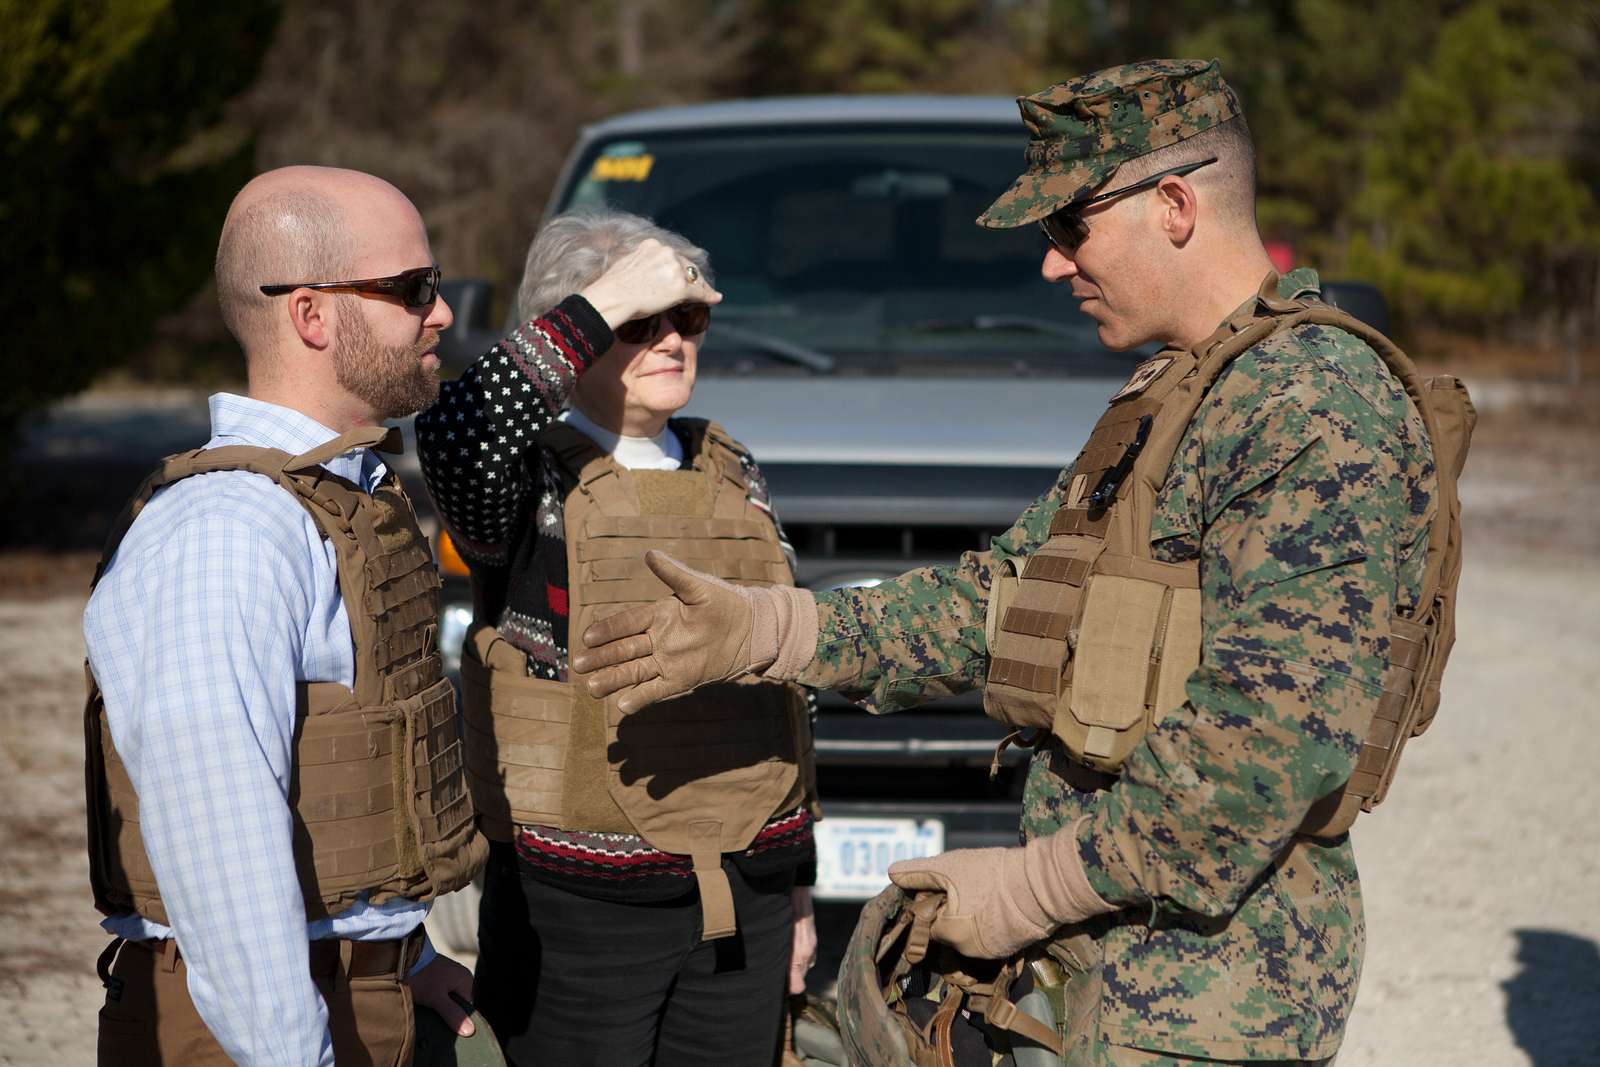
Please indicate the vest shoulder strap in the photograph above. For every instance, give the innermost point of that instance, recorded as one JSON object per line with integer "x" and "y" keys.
{"x": 589, "y": 468}
{"x": 572, "y": 448}
{"x": 302, "y": 475}
{"x": 268, "y": 462}
{"x": 720, "y": 448}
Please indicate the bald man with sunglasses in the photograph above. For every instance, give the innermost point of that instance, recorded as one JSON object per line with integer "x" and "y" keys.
{"x": 275, "y": 788}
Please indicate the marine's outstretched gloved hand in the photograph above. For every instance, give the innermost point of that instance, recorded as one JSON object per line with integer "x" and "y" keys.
{"x": 707, "y": 631}
{"x": 998, "y": 901}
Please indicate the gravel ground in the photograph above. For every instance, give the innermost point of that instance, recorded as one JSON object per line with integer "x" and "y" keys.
{"x": 1480, "y": 872}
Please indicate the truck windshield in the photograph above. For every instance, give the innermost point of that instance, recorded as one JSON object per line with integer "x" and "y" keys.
{"x": 857, "y": 245}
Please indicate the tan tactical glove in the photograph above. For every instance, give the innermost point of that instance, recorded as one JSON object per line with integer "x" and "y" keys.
{"x": 998, "y": 901}
{"x": 707, "y": 631}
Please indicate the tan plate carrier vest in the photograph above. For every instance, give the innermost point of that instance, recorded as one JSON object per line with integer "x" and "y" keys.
{"x": 698, "y": 775}
{"x": 378, "y": 788}
{"x": 1094, "y": 639}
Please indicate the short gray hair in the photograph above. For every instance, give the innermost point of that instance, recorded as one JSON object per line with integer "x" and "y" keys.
{"x": 1232, "y": 178}
{"x": 576, "y": 247}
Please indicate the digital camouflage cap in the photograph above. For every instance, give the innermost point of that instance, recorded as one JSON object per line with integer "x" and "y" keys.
{"x": 1081, "y": 131}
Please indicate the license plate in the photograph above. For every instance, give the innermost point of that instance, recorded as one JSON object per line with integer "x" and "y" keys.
{"x": 853, "y": 855}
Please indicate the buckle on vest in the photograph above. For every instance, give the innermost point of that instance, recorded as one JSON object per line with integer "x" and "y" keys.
{"x": 1111, "y": 480}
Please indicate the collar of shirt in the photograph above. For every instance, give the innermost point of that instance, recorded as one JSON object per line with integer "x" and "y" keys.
{"x": 1302, "y": 281}
{"x": 1297, "y": 283}
{"x": 243, "y": 420}
{"x": 663, "y": 452}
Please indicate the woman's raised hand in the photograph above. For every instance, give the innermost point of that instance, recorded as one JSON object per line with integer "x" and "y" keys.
{"x": 649, "y": 279}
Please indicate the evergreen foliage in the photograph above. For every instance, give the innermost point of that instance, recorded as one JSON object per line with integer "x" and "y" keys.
{"x": 1445, "y": 149}
{"x": 115, "y": 172}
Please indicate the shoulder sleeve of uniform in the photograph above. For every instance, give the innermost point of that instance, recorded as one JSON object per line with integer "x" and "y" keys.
{"x": 1297, "y": 387}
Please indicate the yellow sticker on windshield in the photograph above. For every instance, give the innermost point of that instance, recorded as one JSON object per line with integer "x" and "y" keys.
{"x": 622, "y": 168}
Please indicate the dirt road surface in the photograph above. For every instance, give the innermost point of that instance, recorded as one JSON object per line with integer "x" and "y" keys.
{"x": 1481, "y": 874}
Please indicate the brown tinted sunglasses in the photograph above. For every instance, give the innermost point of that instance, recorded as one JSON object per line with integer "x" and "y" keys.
{"x": 687, "y": 319}
{"x": 415, "y": 288}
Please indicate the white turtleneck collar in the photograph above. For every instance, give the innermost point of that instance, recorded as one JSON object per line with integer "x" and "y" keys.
{"x": 663, "y": 452}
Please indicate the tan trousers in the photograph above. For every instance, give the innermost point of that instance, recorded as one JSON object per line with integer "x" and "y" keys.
{"x": 149, "y": 1021}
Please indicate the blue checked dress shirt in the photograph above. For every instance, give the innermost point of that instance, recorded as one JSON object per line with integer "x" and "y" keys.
{"x": 223, "y": 595}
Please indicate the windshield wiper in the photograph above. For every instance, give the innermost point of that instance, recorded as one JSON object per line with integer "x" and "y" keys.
{"x": 788, "y": 351}
{"x": 984, "y": 323}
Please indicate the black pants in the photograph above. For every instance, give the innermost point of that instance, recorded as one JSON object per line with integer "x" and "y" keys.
{"x": 569, "y": 980}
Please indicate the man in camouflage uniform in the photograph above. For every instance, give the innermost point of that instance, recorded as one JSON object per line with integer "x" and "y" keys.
{"x": 1204, "y": 927}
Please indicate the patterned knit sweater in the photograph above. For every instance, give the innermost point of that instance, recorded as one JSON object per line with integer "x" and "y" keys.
{"x": 500, "y": 495}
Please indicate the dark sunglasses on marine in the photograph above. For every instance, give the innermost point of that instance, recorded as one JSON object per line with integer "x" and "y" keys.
{"x": 1067, "y": 229}
{"x": 687, "y": 319}
{"x": 415, "y": 288}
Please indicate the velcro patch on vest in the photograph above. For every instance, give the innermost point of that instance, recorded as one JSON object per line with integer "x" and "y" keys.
{"x": 1034, "y": 677}
{"x": 1035, "y": 623}
{"x": 1144, "y": 375}
{"x": 1056, "y": 569}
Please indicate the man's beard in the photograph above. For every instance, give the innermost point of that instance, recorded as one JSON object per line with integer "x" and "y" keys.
{"x": 390, "y": 379}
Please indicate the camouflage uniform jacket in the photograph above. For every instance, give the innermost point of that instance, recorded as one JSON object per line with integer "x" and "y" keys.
{"x": 1304, "y": 486}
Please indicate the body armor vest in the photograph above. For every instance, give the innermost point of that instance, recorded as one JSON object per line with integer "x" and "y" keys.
{"x": 698, "y": 775}
{"x": 1094, "y": 639}
{"x": 377, "y": 789}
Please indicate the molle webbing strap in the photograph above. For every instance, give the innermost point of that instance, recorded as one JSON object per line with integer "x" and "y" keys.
{"x": 1034, "y": 677}
{"x": 669, "y": 527}
{"x": 1412, "y": 649}
{"x": 924, "y": 908}
{"x": 992, "y": 1000}
{"x": 686, "y": 549}
{"x": 726, "y": 454}
{"x": 731, "y": 568}
{"x": 517, "y": 730}
{"x": 716, "y": 895}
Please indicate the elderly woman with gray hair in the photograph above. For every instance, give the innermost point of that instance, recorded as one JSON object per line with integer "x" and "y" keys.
{"x": 644, "y": 901}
